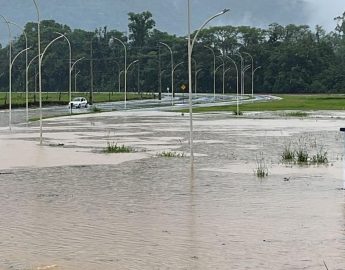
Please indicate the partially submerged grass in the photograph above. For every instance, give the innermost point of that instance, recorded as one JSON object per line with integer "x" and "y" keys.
{"x": 288, "y": 153}
{"x": 239, "y": 112}
{"x": 295, "y": 114}
{"x": 112, "y": 147}
{"x": 303, "y": 153}
{"x": 170, "y": 154}
{"x": 320, "y": 157}
{"x": 261, "y": 170}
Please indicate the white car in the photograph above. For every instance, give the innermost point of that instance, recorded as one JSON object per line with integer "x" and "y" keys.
{"x": 78, "y": 102}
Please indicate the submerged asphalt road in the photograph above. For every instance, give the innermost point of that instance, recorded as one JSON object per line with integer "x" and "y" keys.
{"x": 179, "y": 102}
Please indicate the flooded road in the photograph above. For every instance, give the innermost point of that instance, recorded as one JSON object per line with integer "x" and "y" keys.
{"x": 74, "y": 207}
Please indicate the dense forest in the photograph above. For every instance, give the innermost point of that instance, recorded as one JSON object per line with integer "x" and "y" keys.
{"x": 292, "y": 58}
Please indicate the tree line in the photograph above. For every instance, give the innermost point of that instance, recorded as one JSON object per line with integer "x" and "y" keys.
{"x": 292, "y": 58}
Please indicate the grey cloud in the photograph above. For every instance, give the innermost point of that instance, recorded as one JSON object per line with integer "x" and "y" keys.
{"x": 171, "y": 16}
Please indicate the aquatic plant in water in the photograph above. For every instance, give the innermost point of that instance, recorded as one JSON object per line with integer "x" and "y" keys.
{"x": 288, "y": 154}
{"x": 171, "y": 154}
{"x": 261, "y": 170}
{"x": 114, "y": 148}
{"x": 320, "y": 157}
{"x": 302, "y": 155}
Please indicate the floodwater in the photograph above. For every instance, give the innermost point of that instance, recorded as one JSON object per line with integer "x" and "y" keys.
{"x": 67, "y": 205}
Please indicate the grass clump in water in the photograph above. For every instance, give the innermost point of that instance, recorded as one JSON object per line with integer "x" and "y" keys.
{"x": 303, "y": 154}
{"x": 170, "y": 154}
{"x": 320, "y": 157}
{"x": 288, "y": 153}
{"x": 239, "y": 112}
{"x": 261, "y": 170}
{"x": 296, "y": 114}
{"x": 114, "y": 148}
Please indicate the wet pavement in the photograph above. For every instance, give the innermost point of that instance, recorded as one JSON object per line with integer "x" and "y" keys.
{"x": 19, "y": 116}
{"x": 68, "y": 205}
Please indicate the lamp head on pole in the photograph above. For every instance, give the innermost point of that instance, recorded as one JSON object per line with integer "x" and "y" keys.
{"x": 225, "y": 10}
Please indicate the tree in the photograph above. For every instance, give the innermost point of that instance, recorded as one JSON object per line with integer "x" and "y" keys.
{"x": 140, "y": 27}
{"x": 340, "y": 28}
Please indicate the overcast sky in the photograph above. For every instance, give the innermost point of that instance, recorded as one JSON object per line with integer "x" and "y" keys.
{"x": 323, "y": 11}
{"x": 170, "y": 15}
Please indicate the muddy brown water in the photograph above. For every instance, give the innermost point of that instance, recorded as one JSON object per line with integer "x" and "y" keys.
{"x": 143, "y": 211}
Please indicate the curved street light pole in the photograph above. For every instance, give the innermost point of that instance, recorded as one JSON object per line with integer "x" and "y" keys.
{"x": 39, "y": 65}
{"x": 214, "y": 71}
{"x": 195, "y": 65}
{"x": 252, "y": 71}
{"x": 253, "y": 75}
{"x": 242, "y": 75}
{"x": 237, "y": 102}
{"x": 179, "y": 64}
{"x": 76, "y": 61}
{"x": 221, "y": 58}
{"x": 176, "y": 66}
{"x": 221, "y": 65}
{"x": 16, "y": 56}
{"x": 160, "y": 80}
{"x": 26, "y": 75}
{"x": 190, "y": 50}
{"x": 75, "y": 73}
{"x": 196, "y": 79}
{"x": 244, "y": 72}
{"x": 12, "y": 62}
{"x": 75, "y": 81}
{"x": 172, "y": 71}
{"x": 49, "y": 44}
{"x": 218, "y": 67}
{"x": 225, "y": 71}
{"x": 70, "y": 66}
{"x": 122, "y": 71}
{"x": 118, "y": 68}
{"x": 125, "y": 69}
{"x": 31, "y": 61}
{"x": 9, "y": 73}
{"x": 40, "y": 83}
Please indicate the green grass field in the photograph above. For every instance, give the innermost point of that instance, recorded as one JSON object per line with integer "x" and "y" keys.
{"x": 62, "y": 98}
{"x": 288, "y": 102}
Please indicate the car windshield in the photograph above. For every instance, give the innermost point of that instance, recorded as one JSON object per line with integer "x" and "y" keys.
{"x": 77, "y": 99}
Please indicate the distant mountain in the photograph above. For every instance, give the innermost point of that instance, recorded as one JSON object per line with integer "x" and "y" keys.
{"x": 170, "y": 15}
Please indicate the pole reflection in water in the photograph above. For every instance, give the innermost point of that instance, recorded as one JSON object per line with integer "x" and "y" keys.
{"x": 343, "y": 130}
{"x": 192, "y": 219}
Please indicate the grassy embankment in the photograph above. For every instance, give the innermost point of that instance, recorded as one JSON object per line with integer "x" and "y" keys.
{"x": 288, "y": 102}
{"x": 62, "y": 98}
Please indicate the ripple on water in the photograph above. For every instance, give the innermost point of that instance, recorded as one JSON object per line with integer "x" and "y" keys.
{"x": 155, "y": 214}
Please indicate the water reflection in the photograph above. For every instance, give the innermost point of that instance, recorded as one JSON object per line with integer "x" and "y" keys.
{"x": 194, "y": 251}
